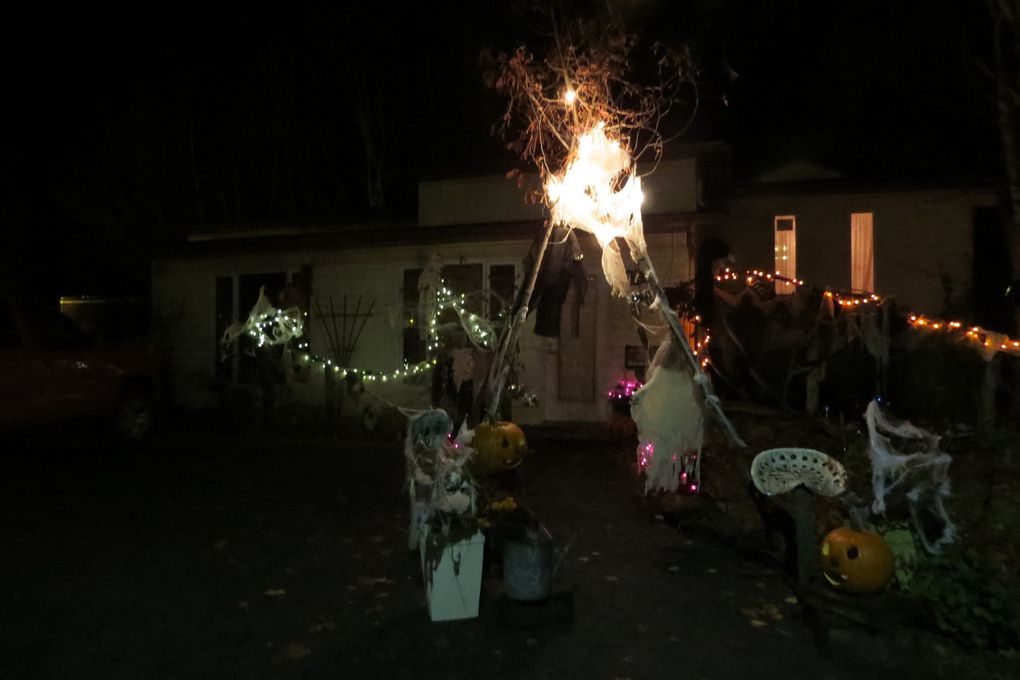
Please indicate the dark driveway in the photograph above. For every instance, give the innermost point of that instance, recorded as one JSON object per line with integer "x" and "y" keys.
{"x": 214, "y": 556}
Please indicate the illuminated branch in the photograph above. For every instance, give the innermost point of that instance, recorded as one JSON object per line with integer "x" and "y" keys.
{"x": 581, "y": 95}
{"x": 584, "y": 80}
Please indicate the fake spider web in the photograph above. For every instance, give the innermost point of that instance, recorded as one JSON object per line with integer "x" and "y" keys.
{"x": 926, "y": 472}
{"x": 266, "y": 324}
{"x": 437, "y": 480}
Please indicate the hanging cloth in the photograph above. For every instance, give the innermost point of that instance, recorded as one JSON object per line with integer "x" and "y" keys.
{"x": 562, "y": 268}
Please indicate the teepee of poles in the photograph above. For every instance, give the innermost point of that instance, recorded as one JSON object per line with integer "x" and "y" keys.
{"x": 582, "y": 120}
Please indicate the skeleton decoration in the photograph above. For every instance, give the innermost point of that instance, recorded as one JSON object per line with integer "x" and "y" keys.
{"x": 266, "y": 324}
{"x": 777, "y": 471}
{"x": 926, "y": 472}
{"x": 669, "y": 414}
{"x": 438, "y": 484}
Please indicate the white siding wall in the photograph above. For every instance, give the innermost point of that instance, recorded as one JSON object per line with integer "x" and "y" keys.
{"x": 184, "y": 300}
{"x": 377, "y": 274}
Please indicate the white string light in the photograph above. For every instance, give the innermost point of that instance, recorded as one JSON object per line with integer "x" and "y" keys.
{"x": 478, "y": 331}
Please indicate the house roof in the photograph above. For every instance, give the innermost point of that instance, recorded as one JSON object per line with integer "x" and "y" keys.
{"x": 856, "y": 185}
{"x": 797, "y": 171}
{"x": 256, "y": 238}
{"x": 800, "y": 176}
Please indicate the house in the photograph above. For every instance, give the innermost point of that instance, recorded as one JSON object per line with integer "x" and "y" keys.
{"x": 367, "y": 274}
{"x": 916, "y": 242}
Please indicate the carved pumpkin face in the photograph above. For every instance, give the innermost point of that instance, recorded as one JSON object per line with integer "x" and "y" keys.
{"x": 856, "y": 561}
{"x": 499, "y": 446}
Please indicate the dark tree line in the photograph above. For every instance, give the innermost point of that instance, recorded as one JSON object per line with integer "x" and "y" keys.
{"x": 123, "y": 129}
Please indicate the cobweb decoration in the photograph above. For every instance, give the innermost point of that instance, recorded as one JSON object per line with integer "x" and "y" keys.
{"x": 599, "y": 191}
{"x": 266, "y": 324}
{"x": 434, "y": 297}
{"x": 670, "y": 418}
{"x": 777, "y": 471}
{"x": 437, "y": 480}
{"x": 928, "y": 471}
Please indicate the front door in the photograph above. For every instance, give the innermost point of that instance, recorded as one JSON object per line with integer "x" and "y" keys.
{"x": 569, "y": 362}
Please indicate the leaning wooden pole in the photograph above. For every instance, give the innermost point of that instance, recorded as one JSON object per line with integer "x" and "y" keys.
{"x": 648, "y": 271}
{"x": 499, "y": 369}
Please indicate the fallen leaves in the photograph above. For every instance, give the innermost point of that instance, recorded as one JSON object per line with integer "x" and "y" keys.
{"x": 759, "y": 617}
{"x": 295, "y": 651}
{"x": 322, "y": 627}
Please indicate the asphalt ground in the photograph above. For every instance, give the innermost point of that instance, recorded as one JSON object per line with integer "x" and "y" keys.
{"x": 206, "y": 555}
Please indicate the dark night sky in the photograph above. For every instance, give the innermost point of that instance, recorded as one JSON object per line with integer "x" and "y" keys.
{"x": 111, "y": 120}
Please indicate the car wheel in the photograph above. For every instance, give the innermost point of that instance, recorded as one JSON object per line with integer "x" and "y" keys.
{"x": 134, "y": 417}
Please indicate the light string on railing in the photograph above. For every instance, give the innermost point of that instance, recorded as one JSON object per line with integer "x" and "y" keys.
{"x": 987, "y": 341}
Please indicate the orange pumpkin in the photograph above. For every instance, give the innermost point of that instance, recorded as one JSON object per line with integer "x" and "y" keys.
{"x": 498, "y": 446}
{"x": 856, "y": 561}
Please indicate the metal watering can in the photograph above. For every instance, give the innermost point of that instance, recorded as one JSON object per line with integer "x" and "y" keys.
{"x": 529, "y": 566}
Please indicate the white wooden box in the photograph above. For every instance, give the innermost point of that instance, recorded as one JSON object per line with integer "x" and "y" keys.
{"x": 454, "y": 584}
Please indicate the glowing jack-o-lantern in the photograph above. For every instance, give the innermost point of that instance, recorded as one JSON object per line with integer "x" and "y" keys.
{"x": 856, "y": 561}
{"x": 498, "y": 446}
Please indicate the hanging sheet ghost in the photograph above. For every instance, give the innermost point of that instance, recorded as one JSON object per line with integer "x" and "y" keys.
{"x": 670, "y": 418}
{"x": 599, "y": 192}
{"x": 266, "y": 324}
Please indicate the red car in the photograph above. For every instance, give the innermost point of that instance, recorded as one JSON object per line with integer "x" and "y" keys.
{"x": 52, "y": 373}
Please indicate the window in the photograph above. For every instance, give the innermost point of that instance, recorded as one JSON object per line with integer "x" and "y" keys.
{"x": 224, "y": 370}
{"x": 502, "y": 287}
{"x": 862, "y": 252}
{"x": 252, "y": 366}
{"x": 786, "y": 252}
{"x": 467, "y": 279}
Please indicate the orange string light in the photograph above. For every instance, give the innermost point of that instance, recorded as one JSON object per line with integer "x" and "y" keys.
{"x": 917, "y": 321}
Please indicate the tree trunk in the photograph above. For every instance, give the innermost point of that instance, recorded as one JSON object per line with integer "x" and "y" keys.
{"x": 1005, "y": 16}
{"x": 989, "y": 390}
{"x": 196, "y": 183}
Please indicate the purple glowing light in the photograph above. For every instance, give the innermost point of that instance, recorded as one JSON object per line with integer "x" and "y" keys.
{"x": 645, "y": 455}
{"x": 624, "y": 389}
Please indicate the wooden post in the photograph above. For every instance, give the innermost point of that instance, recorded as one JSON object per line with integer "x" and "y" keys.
{"x": 500, "y": 366}
{"x": 648, "y": 270}
{"x": 804, "y": 528}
